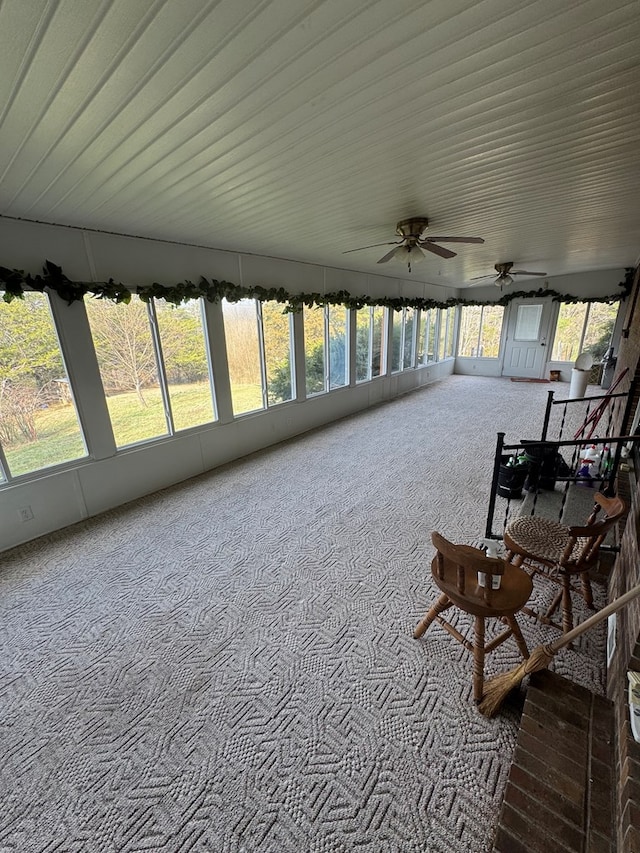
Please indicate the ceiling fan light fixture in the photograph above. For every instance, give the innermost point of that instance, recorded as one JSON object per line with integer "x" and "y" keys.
{"x": 504, "y": 279}
{"x": 410, "y": 255}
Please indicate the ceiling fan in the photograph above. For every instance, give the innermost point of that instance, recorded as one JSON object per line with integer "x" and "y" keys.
{"x": 505, "y": 274}
{"x": 412, "y": 245}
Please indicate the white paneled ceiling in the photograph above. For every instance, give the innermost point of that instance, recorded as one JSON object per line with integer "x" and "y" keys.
{"x": 304, "y": 128}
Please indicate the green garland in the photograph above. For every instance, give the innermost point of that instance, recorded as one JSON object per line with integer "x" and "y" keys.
{"x": 14, "y": 283}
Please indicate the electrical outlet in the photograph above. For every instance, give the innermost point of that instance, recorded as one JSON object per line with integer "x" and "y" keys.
{"x": 25, "y": 513}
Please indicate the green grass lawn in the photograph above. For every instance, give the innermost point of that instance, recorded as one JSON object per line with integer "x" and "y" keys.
{"x": 59, "y": 438}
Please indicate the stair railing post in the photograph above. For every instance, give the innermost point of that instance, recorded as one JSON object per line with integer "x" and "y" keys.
{"x": 547, "y": 415}
{"x": 488, "y": 534}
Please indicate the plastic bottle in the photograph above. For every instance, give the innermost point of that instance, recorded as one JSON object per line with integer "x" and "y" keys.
{"x": 491, "y": 547}
{"x": 589, "y": 462}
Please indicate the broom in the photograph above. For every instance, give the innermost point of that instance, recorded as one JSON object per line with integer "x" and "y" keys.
{"x": 496, "y": 689}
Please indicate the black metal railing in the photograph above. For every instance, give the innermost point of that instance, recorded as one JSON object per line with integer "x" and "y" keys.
{"x": 605, "y": 412}
{"x": 549, "y": 454}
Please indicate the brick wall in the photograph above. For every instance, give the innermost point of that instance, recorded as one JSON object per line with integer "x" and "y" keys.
{"x": 625, "y": 575}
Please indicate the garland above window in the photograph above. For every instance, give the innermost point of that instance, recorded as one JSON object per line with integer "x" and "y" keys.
{"x": 15, "y": 283}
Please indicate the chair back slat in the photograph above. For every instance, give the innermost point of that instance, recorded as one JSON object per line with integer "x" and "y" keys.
{"x": 584, "y": 544}
{"x": 465, "y": 558}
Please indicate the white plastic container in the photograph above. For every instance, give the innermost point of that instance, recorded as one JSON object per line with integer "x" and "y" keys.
{"x": 579, "y": 382}
{"x": 580, "y": 373}
{"x": 492, "y": 551}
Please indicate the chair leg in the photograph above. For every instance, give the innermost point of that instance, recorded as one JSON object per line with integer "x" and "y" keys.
{"x": 586, "y": 590}
{"x": 478, "y": 659}
{"x": 546, "y": 619}
{"x": 512, "y": 622}
{"x": 441, "y": 605}
{"x": 567, "y": 607}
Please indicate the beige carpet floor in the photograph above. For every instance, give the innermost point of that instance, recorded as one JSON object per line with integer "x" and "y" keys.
{"x": 228, "y": 665}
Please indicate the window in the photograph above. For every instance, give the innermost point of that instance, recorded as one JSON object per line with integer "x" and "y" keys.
{"x": 403, "y": 339}
{"x": 39, "y": 424}
{"x": 410, "y": 332}
{"x": 369, "y": 342}
{"x": 528, "y": 322}
{"x": 583, "y": 327}
{"x": 480, "y": 330}
{"x": 336, "y": 327}
{"x": 278, "y": 353}
{"x": 314, "y": 354}
{"x": 243, "y": 355}
{"x": 186, "y": 363}
{"x": 326, "y": 348}
{"x": 154, "y": 367}
{"x": 449, "y": 347}
{"x": 446, "y": 332}
{"x": 427, "y": 336}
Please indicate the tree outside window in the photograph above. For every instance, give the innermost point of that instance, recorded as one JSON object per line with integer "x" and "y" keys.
{"x": 427, "y": 338}
{"x": 154, "y": 366}
{"x": 39, "y": 424}
{"x": 186, "y": 363}
{"x": 446, "y": 318}
{"x": 126, "y": 354}
{"x": 277, "y": 336}
{"x": 336, "y": 339}
{"x": 314, "y": 350}
{"x": 403, "y": 339}
{"x": 369, "y": 342}
{"x": 449, "y": 348}
{"x": 583, "y": 328}
{"x": 480, "y": 330}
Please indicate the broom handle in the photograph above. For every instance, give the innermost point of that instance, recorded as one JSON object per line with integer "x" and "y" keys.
{"x": 616, "y": 604}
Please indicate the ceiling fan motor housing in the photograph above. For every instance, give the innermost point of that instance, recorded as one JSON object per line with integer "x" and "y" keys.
{"x": 413, "y": 227}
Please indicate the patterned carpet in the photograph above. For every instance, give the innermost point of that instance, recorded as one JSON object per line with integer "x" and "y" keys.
{"x": 228, "y": 665}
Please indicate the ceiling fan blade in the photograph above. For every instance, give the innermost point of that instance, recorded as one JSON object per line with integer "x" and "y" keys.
{"x": 456, "y": 239}
{"x": 388, "y": 256}
{"x": 525, "y": 272}
{"x": 481, "y": 277}
{"x": 478, "y": 283}
{"x": 374, "y": 246}
{"x": 437, "y": 250}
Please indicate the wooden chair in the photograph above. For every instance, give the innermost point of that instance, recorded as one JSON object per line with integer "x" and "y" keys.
{"x": 455, "y": 571}
{"x": 561, "y": 554}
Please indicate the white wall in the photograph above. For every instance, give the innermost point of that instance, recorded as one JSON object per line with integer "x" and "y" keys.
{"x": 109, "y": 477}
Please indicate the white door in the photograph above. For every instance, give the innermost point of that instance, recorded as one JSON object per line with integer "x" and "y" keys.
{"x": 525, "y": 353}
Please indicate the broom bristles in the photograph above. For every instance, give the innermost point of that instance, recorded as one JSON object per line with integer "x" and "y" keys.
{"x": 497, "y": 689}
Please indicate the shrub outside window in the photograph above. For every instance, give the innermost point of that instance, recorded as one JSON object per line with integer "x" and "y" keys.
{"x": 39, "y": 424}
{"x": 278, "y": 354}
